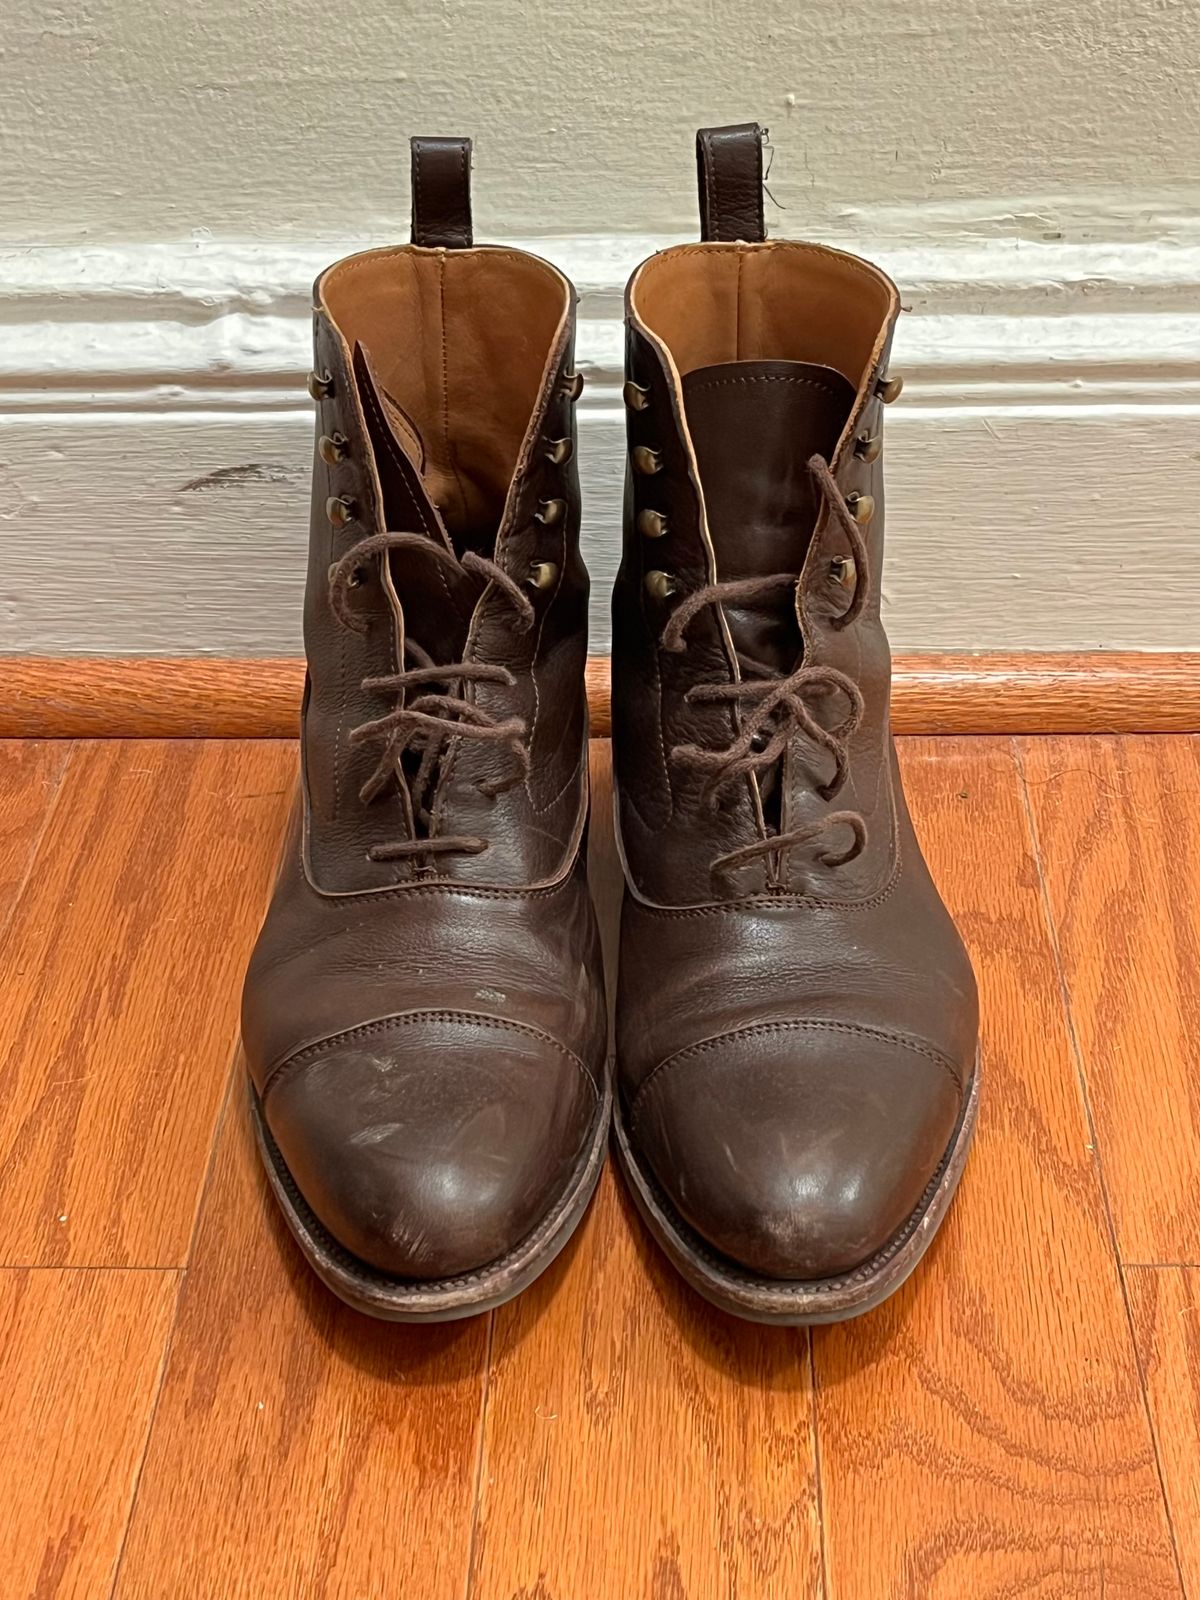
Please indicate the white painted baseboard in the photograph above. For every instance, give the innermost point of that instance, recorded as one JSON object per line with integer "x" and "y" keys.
{"x": 1043, "y": 466}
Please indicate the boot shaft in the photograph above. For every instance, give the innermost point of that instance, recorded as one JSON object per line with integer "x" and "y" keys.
{"x": 751, "y": 669}
{"x": 444, "y": 534}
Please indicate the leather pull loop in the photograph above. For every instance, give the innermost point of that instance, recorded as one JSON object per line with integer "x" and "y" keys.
{"x": 729, "y": 163}
{"x": 441, "y": 193}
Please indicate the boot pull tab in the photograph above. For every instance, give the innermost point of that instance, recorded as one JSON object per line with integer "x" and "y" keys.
{"x": 729, "y": 162}
{"x": 441, "y": 193}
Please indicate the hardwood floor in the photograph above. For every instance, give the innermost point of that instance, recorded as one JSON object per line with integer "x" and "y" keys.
{"x": 185, "y": 1414}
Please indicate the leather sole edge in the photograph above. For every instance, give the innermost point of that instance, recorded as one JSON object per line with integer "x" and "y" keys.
{"x": 796, "y": 1303}
{"x": 390, "y": 1299}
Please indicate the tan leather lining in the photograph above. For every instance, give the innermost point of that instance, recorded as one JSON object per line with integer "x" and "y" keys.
{"x": 778, "y": 301}
{"x": 459, "y": 340}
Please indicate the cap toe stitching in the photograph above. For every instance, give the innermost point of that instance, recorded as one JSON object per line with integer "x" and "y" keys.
{"x": 371, "y": 1030}
{"x": 763, "y": 1029}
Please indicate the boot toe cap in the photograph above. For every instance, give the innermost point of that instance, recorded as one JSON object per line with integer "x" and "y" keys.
{"x": 798, "y": 1150}
{"x": 430, "y": 1145}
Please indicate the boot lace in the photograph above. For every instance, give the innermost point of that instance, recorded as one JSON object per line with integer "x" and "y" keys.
{"x": 775, "y": 706}
{"x": 427, "y": 723}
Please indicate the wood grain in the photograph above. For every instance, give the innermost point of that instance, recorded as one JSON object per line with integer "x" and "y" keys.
{"x": 1118, "y": 823}
{"x": 118, "y": 1012}
{"x": 80, "y": 1354}
{"x": 29, "y": 776}
{"x": 983, "y": 1432}
{"x": 1166, "y": 1314}
{"x": 638, "y": 1443}
{"x": 201, "y": 697}
{"x": 298, "y": 1448}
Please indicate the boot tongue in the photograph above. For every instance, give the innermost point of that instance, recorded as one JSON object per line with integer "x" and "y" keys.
{"x": 754, "y": 425}
{"x": 399, "y": 454}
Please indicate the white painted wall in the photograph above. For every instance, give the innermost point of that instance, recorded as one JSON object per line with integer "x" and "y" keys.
{"x": 175, "y": 174}
{"x": 145, "y": 119}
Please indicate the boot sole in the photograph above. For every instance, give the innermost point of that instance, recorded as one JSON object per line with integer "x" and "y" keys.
{"x": 377, "y": 1294}
{"x": 798, "y": 1303}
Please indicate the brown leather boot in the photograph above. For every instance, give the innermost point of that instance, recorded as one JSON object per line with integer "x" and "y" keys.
{"x": 797, "y": 1014}
{"x": 424, "y": 1018}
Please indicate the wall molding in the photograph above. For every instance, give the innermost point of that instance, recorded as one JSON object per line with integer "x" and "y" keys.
{"x": 199, "y": 698}
{"x": 155, "y": 438}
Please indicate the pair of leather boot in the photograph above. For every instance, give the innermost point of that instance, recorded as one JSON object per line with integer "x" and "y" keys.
{"x": 424, "y": 1015}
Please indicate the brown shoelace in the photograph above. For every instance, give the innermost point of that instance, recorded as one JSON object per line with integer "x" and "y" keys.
{"x": 431, "y": 720}
{"x": 774, "y": 706}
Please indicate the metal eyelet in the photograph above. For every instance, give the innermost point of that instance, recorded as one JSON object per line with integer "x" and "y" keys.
{"x": 320, "y": 385}
{"x": 651, "y": 524}
{"x": 861, "y": 507}
{"x": 542, "y": 574}
{"x": 358, "y": 575}
{"x": 332, "y": 448}
{"x": 550, "y": 512}
{"x": 635, "y": 397}
{"x": 843, "y": 571}
{"x": 560, "y": 451}
{"x": 647, "y": 461}
{"x": 868, "y": 447}
{"x": 340, "y": 510}
{"x": 572, "y": 385}
{"x": 659, "y": 585}
{"x": 888, "y": 389}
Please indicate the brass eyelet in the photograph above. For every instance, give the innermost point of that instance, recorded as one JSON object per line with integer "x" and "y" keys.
{"x": 659, "y": 585}
{"x": 320, "y": 385}
{"x": 843, "y": 571}
{"x": 340, "y": 510}
{"x": 647, "y": 461}
{"x": 542, "y": 574}
{"x": 651, "y": 524}
{"x": 550, "y": 512}
{"x": 635, "y": 397}
{"x": 888, "y": 389}
{"x": 332, "y": 448}
{"x": 868, "y": 447}
{"x": 560, "y": 451}
{"x": 572, "y": 385}
{"x": 861, "y": 507}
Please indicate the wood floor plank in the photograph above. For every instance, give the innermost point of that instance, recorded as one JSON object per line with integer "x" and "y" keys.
{"x": 1166, "y": 1312}
{"x": 983, "y": 1433}
{"x": 29, "y": 775}
{"x": 298, "y": 1448}
{"x": 118, "y": 1013}
{"x": 639, "y": 1445}
{"x": 1118, "y": 823}
{"x": 80, "y": 1354}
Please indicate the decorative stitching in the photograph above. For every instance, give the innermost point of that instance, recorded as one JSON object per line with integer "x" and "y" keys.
{"x": 765, "y": 377}
{"x": 465, "y": 230}
{"x": 737, "y": 308}
{"x": 846, "y": 262}
{"x": 715, "y": 225}
{"x": 418, "y": 230}
{"x": 370, "y": 1030}
{"x": 763, "y": 1029}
